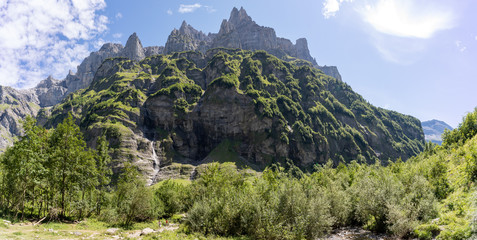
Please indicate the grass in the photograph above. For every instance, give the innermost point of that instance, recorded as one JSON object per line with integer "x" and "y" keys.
{"x": 4, "y": 106}
{"x": 94, "y": 229}
{"x": 169, "y": 235}
{"x": 183, "y": 182}
{"x": 227, "y": 152}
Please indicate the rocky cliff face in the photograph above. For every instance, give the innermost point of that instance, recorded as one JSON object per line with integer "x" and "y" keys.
{"x": 187, "y": 39}
{"x": 241, "y": 32}
{"x": 232, "y": 105}
{"x": 15, "y": 105}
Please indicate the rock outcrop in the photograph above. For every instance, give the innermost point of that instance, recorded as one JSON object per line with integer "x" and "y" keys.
{"x": 133, "y": 49}
{"x": 187, "y": 39}
{"x": 50, "y": 91}
{"x": 240, "y": 32}
{"x": 15, "y": 105}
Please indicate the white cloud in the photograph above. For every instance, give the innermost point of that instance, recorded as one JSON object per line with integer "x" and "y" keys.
{"x": 117, "y": 35}
{"x": 475, "y": 37}
{"x": 403, "y": 51}
{"x": 119, "y": 15}
{"x": 331, "y": 7}
{"x": 402, "y": 18}
{"x": 398, "y": 29}
{"x": 210, "y": 9}
{"x": 407, "y": 18}
{"x": 189, "y": 8}
{"x": 169, "y": 11}
{"x": 48, "y": 37}
{"x": 460, "y": 46}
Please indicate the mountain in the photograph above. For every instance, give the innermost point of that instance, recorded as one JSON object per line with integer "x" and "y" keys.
{"x": 433, "y": 130}
{"x": 250, "y": 107}
{"x": 51, "y": 91}
{"x": 242, "y": 94}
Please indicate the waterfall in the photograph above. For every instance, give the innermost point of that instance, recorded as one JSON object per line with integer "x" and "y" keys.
{"x": 156, "y": 163}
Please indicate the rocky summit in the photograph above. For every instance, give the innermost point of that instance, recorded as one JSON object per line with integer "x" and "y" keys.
{"x": 242, "y": 94}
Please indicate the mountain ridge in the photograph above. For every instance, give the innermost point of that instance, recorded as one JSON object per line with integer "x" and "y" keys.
{"x": 259, "y": 107}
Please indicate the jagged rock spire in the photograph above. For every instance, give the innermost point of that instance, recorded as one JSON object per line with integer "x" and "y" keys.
{"x": 239, "y": 16}
{"x": 133, "y": 49}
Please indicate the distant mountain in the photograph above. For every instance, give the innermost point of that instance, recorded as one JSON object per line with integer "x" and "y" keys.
{"x": 433, "y": 130}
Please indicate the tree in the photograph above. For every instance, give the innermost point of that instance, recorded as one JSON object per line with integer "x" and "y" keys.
{"x": 133, "y": 200}
{"x": 103, "y": 168}
{"x": 24, "y": 166}
{"x": 70, "y": 164}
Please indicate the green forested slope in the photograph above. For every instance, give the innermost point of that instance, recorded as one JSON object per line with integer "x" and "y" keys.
{"x": 186, "y": 104}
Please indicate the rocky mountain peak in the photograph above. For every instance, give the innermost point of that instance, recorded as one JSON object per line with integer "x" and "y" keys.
{"x": 187, "y": 38}
{"x": 133, "y": 49}
{"x": 48, "y": 82}
{"x": 238, "y": 17}
{"x": 111, "y": 47}
{"x": 185, "y": 28}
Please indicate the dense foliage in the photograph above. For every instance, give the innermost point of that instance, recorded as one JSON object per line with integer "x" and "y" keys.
{"x": 52, "y": 172}
{"x": 431, "y": 195}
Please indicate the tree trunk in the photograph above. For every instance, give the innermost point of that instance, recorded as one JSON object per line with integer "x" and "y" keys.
{"x": 63, "y": 192}
{"x": 23, "y": 203}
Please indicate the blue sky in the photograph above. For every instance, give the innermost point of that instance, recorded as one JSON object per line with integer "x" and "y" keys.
{"x": 416, "y": 57}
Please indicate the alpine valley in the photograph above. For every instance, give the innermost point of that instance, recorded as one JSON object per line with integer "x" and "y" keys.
{"x": 242, "y": 95}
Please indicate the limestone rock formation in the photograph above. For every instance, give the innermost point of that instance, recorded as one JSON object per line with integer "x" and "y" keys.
{"x": 15, "y": 105}
{"x": 186, "y": 39}
{"x": 133, "y": 49}
{"x": 154, "y": 50}
{"x": 86, "y": 70}
{"x": 240, "y": 32}
{"x": 50, "y": 91}
{"x": 330, "y": 71}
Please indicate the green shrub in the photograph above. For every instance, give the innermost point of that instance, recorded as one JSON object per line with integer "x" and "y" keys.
{"x": 426, "y": 231}
{"x": 173, "y": 197}
{"x": 226, "y": 81}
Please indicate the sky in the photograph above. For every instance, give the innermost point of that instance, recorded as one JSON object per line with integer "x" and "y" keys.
{"x": 417, "y": 57}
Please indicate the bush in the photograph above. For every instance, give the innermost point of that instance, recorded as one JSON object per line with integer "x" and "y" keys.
{"x": 426, "y": 231}
{"x": 172, "y": 197}
{"x": 134, "y": 201}
{"x": 274, "y": 207}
